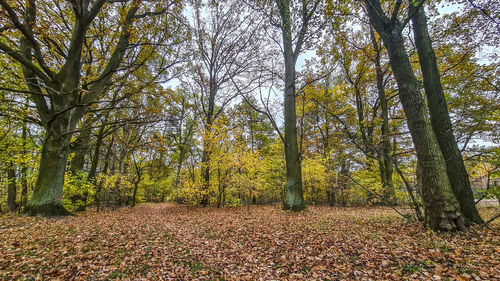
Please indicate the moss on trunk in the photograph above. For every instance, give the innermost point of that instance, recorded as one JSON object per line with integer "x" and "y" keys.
{"x": 294, "y": 199}
{"x": 440, "y": 118}
{"x": 45, "y": 209}
{"x": 441, "y": 207}
{"x": 47, "y": 194}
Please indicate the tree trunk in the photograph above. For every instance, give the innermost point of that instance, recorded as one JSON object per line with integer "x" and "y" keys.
{"x": 24, "y": 165}
{"x": 81, "y": 146}
{"x": 409, "y": 189}
{"x": 11, "y": 187}
{"x": 440, "y": 118}
{"x": 367, "y": 146}
{"x": 104, "y": 172}
{"x": 206, "y": 176}
{"x": 207, "y": 142}
{"x": 441, "y": 207}
{"x": 134, "y": 196}
{"x": 343, "y": 181}
{"x": 47, "y": 194}
{"x": 385, "y": 152}
{"x": 294, "y": 195}
{"x": 221, "y": 188}
{"x": 182, "y": 155}
{"x": 95, "y": 157}
{"x": 24, "y": 186}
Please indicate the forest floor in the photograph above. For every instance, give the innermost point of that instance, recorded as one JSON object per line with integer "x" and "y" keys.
{"x": 172, "y": 242}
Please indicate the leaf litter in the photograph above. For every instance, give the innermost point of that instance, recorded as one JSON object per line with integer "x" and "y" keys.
{"x": 173, "y": 242}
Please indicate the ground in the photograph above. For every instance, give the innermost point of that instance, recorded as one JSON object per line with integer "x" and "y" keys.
{"x": 171, "y": 242}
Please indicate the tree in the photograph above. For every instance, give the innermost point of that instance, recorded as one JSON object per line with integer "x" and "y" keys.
{"x": 385, "y": 149}
{"x": 224, "y": 62}
{"x": 294, "y": 195}
{"x": 441, "y": 207}
{"x": 56, "y": 86}
{"x": 439, "y": 115}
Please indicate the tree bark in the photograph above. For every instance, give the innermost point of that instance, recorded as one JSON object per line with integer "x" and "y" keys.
{"x": 11, "y": 187}
{"x": 24, "y": 166}
{"x": 95, "y": 156}
{"x": 385, "y": 152}
{"x": 47, "y": 194}
{"x": 343, "y": 181}
{"x": 81, "y": 146}
{"x": 440, "y": 118}
{"x": 181, "y": 144}
{"x": 134, "y": 196}
{"x": 104, "y": 172}
{"x": 205, "y": 160}
{"x": 294, "y": 195}
{"x": 441, "y": 207}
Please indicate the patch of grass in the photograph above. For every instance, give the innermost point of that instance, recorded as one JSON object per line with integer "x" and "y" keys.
{"x": 143, "y": 268}
{"x": 376, "y": 235}
{"x": 409, "y": 268}
{"x": 119, "y": 253}
{"x": 465, "y": 269}
{"x": 322, "y": 225}
{"x": 428, "y": 263}
{"x": 23, "y": 253}
{"x": 445, "y": 248}
{"x": 167, "y": 236}
{"x": 147, "y": 254}
{"x": 195, "y": 266}
{"x": 117, "y": 274}
{"x": 71, "y": 231}
{"x": 386, "y": 220}
{"x": 208, "y": 233}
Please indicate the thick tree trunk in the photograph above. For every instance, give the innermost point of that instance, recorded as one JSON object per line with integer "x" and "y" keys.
{"x": 294, "y": 195}
{"x": 67, "y": 102}
{"x": 440, "y": 204}
{"x": 442, "y": 210}
{"x": 122, "y": 163}
{"x": 11, "y": 187}
{"x": 47, "y": 194}
{"x": 440, "y": 118}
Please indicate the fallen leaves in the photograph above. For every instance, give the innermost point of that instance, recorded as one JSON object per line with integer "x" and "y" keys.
{"x": 171, "y": 242}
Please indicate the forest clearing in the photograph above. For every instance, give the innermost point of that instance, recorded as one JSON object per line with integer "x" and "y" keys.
{"x": 249, "y": 140}
{"x": 173, "y": 242}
